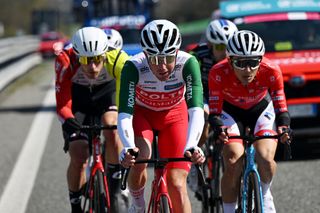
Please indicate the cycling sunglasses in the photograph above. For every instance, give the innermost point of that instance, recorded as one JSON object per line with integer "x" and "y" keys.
{"x": 241, "y": 64}
{"x": 160, "y": 59}
{"x": 220, "y": 47}
{"x": 88, "y": 60}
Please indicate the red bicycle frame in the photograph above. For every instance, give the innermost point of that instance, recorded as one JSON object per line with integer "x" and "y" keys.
{"x": 159, "y": 188}
{"x": 97, "y": 192}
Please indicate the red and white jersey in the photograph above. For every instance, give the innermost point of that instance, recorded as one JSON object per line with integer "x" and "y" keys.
{"x": 225, "y": 86}
{"x": 68, "y": 71}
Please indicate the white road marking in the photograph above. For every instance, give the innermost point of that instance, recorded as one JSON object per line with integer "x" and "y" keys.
{"x": 16, "y": 194}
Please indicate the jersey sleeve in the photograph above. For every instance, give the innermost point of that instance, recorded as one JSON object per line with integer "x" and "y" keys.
{"x": 194, "y": 99}
{"x": 129, "y": 79}
{"x": 215, "y": 91}
{"x": 192, "y": 78}
{"x": 63, "y": 87}
{"x": 115, "y": 61}
{"x": 277, "y": 90}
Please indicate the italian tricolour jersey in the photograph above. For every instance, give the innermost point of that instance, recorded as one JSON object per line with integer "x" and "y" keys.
{"x": 140, "y": 86}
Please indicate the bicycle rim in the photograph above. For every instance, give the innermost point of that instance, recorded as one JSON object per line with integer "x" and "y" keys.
{"x": 100, "y": 194}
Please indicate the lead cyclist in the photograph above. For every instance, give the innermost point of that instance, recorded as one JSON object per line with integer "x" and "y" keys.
{"x": 161, "y": 90}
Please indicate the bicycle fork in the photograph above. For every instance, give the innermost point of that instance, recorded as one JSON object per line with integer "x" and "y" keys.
{"x": 250, "y": 167}
{"x": 159, "y": 189}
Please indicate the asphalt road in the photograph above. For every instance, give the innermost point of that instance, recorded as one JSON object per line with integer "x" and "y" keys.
{"x": 33, "y": 164}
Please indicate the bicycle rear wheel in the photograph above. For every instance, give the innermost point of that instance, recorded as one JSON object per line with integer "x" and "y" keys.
{"x": 254, "y": 202}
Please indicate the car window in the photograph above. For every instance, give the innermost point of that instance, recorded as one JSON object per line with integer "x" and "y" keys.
{"x": 287, "y": 35}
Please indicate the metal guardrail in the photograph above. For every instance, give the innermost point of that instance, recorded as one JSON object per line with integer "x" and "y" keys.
{"x": 17, "y": 56}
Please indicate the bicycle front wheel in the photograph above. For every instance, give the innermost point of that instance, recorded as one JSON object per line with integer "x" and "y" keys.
{"x": 216, "y": 188}
{"x": 100, "y": 199}
{"x": 254, "y": 201}
{"x": 163, "y": 205}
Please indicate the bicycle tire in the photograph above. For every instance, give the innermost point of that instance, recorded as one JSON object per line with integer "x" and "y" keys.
{"x": 100, "y": 194}
{"x": 163, "y": 205}
{"x": 216, "y": 194}
{"x": 254, "y": 202}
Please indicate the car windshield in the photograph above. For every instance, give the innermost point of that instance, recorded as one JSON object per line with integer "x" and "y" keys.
{"x": 287, "y": 35}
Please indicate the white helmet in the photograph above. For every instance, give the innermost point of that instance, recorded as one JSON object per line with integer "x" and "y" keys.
{"x": 160, "y": 37}
{"x": 114, "y": 37}
{"x": 219, "y": 31}
{"x": 245, "y": 43}
{"x": 90, "y": 41}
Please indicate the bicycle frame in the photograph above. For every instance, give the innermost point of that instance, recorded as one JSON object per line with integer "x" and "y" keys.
{"x": 159, "y": 188}
{"x": 250, "y": 166}
{"x": 97, "y": 166}
{"x": 159, "y": 183}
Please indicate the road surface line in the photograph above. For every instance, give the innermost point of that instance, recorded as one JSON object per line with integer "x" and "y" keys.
{"x": 16, "y": 194}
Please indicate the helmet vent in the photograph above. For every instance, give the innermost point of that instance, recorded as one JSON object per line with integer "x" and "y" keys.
{"x": 85, "y": 46}
{"x": 146, "y": 38}
{"x": 173, "y": 37}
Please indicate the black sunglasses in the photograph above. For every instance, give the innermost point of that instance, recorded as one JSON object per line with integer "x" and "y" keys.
{"x": 241, "y": 64}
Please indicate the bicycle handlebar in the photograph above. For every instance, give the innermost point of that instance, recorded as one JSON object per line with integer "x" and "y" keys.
{"x": 125, "y": 171}
{"x": 253, "y": 138}
{"x": 98, "y": 127}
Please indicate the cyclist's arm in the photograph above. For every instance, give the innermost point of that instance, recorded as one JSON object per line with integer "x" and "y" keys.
{"x": 115, "y": 62}
{"x": 215, "y": 91}
{"x": 194, "y": 99}
{"x": 279, "y": 98}
{"x": 129, "y": 79}
{"x": 63, "y": 87}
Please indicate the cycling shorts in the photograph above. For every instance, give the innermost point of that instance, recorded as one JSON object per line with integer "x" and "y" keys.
{"x": 88, "y": 103}
{"x": 171, "y": 126}
{"x": 260, "y": 119}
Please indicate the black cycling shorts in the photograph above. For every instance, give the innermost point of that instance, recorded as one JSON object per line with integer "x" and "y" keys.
{"x": 89, "y": 104}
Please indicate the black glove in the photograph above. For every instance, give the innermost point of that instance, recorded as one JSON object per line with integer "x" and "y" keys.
{"x": 71, "y": 125}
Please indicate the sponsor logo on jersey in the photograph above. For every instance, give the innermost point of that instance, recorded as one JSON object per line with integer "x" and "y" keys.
{"x": 150, "y": 82}
{"x": 148, "y": 87}
{"x": 131, "y": 99}
{"x": 159, "y": 99}
{"x": 268, "y": 115}
{"x": 144, "y": 70}
{"x": 189, "y": 87}
{"x": 173, "y": 86}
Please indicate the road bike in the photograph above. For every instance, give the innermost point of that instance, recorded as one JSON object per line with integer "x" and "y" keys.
{"x": 96, "y": 193}
{"x": 210, "y": 193}
{"x": 250, "y": 196}
{"x": 159, "y": 199}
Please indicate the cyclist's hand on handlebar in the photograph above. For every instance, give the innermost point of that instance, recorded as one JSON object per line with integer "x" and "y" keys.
{"x": 71, "y": 125}
{"x": 128, "y": 156}
{"x": 221, "y": 134}
{"x": 195, "y": 154}
{"x": 286, "y": 134}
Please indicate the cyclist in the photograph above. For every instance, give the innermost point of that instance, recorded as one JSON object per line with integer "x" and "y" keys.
{"x": 85, "y": 85}
{"x": 218, "y": 33}
{"x": 160, "y": 87}
{"x": 246, "y": 89}
{"x": 114, "y": 37}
